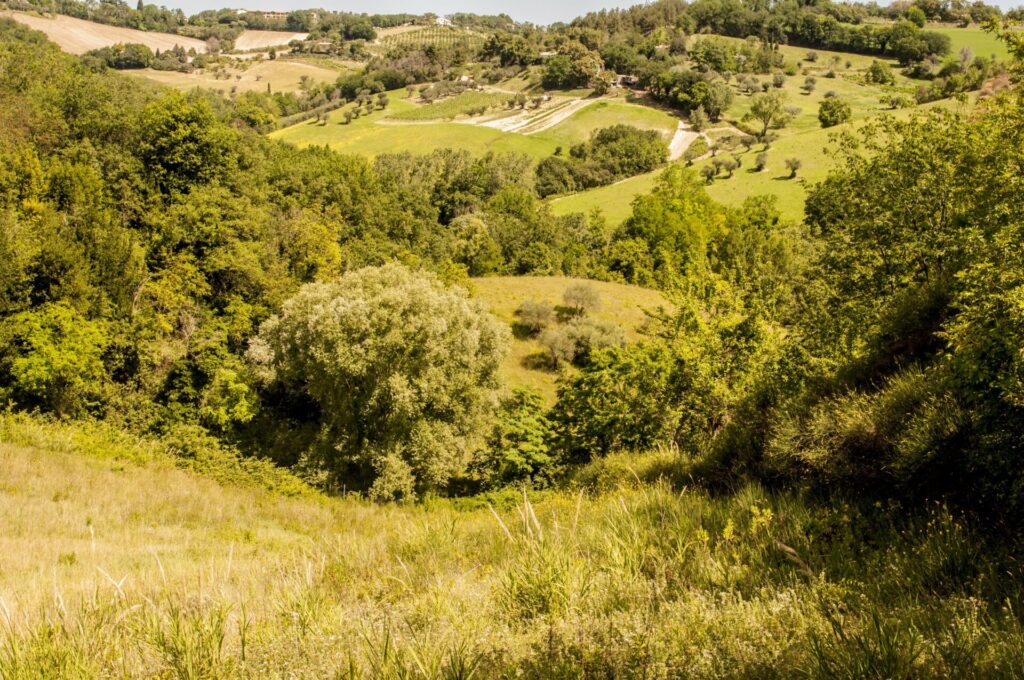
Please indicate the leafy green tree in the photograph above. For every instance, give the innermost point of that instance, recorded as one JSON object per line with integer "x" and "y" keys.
{"x": 676, "y": 221}
{"x": 404, "y": 371}
{"x": 769, "y": 110}
{"x": 699, "y": 119}
{"x": 517, "y": 450}
{"x": 793, "y": 164}
{"x": 51, "y": 358}
{"x": 182, "y": 143}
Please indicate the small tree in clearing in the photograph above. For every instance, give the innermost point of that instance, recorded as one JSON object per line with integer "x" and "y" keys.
{"x": 699, "y": 119}
{"x": 708, "y": 172}
{"x": 769, "y": 110}
{"x": 760, "y": 162}
{"x": 793, "y": 164}
{"x": 581, "y": 298}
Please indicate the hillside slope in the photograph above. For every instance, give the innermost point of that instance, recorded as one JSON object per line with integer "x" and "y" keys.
{"x": 111, "y": 568}
{"x": 78, "y": 36}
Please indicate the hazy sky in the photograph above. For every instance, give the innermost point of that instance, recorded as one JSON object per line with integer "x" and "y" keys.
{"x": 537, "y": 11}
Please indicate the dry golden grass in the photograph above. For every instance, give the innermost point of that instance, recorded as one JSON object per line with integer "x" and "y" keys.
{"x": 112, "y": 568}
{"x": 254, "y": 40}
{"x": 78, "y": 36}
{"x": 281, "y": 75}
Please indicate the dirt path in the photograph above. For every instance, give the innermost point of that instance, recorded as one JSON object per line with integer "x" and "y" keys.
{"x": 681, "y": 141}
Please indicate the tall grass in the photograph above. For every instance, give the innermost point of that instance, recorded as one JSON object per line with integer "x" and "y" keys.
{"x": 122, "y": 567}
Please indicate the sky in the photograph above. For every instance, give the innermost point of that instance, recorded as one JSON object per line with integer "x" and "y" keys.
{"x": 536, "y": 11}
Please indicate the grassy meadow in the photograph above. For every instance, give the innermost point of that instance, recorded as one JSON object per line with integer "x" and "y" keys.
{"x": 802, "y": 138}
{"x": 978, "y": 40}
{"x": 280, "y": 75}
{"x": 407, "y": 125}
{"x": 628, "y": 306}
{"x": 119, "y": 565}
{"x": 605, "y": 113}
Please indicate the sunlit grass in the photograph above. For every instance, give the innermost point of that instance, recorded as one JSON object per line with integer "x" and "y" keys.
{"x": 114, "y": 568}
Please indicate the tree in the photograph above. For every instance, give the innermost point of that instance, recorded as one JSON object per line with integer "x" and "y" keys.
{"x": 52, "y": 358}
{"x": 709, "y": 172}
{"x": 793, "y": 164}
{"x": 832, "y": 111}
{"x": 916, "y": 16}
{"x": 517, "y": 449}
{"x": 760, "y": 162}
{"x": 582, "y": 298}
{"x": 182, "y": 143}
{"x": 404, "y": 371}
{"x": 809, "y": 83}
{"x": 699, "y": 119}
{"x": 769, "y": 110}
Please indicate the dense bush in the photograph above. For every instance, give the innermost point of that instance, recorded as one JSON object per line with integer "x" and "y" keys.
{"x": 123, "y": 56}
{"x": 832, "y": 111}
{"x": 611, "y": 154}
{"x": 403, "y": 370}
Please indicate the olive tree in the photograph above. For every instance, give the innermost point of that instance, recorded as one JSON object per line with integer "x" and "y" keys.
{"x": 581, "y": 298}
{"x": 404, "y": 371}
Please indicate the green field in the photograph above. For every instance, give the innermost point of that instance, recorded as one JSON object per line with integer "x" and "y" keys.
{"x": 979, "y": 41}
{"x": 281, "y": 75}
{"x": 615, "y": 200}
{"x": 622, "y": 304}
{"x": 407, "y": 126}
{"x": 802, "y": 138}
{"x": 373, "y": 135}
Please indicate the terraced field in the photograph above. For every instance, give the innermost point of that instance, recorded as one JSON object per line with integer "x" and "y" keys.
{"x": 405, "y": 126}
{"x": 438, "y": 36}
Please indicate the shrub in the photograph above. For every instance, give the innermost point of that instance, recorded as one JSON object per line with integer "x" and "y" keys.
{"x": 880, "y": 73}
{"x": 533, "y": 316}
{"x": 760, "y": 161}
{"x": 793, "y": 164}
{"x": 832, "y": 111}
{"x": 404, "y": 371}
